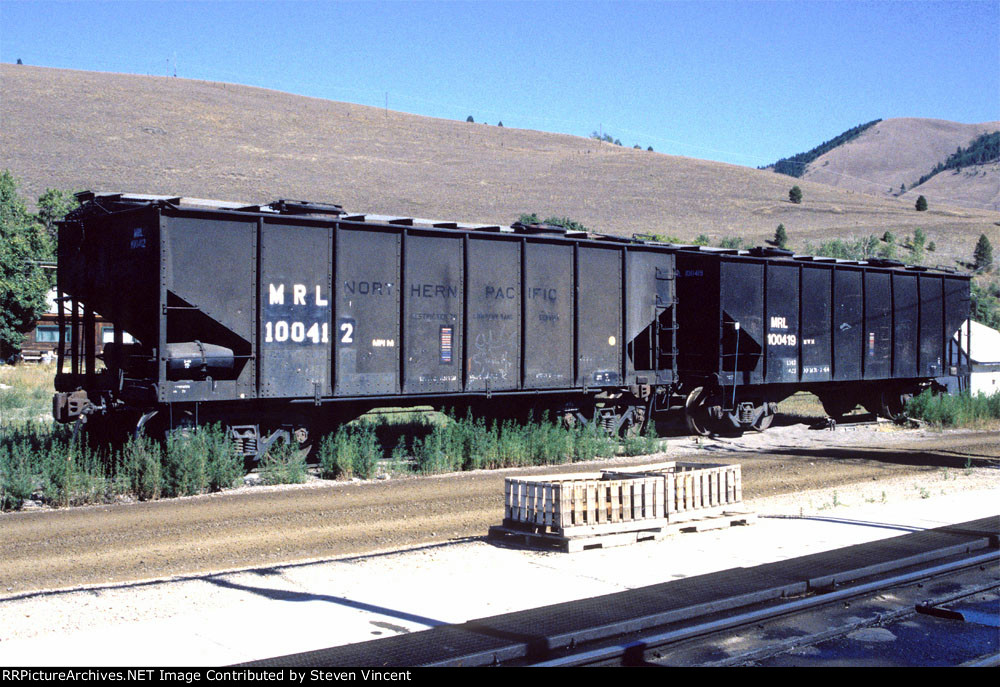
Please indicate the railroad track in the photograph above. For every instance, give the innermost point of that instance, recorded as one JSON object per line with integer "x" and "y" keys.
{"x": 859, "y": 612}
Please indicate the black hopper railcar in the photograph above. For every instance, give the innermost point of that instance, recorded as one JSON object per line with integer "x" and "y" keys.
{"x": 757, "y": 326}
{"x": 284, "y": 320}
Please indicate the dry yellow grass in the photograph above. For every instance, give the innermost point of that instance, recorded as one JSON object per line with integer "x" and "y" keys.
{"x": 70, "y": 129}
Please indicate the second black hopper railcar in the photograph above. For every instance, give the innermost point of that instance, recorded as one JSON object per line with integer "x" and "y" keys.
{"x": 756, "y": 326}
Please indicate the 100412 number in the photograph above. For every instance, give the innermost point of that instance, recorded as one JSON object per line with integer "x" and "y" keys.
{"x": 282, "y": 331}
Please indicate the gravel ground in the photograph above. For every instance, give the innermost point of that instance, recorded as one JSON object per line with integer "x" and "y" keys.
{"x": 263, "y": 526}
{"x": 114, "y": 572}
{"x": 267, "y": 610}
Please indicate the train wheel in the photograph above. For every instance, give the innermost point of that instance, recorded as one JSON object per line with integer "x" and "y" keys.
{"x": 696, "y": 412}
{"x": 893, "y": 405}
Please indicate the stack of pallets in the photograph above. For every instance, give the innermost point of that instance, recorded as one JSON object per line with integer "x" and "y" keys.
{"x": 614, "y": 507}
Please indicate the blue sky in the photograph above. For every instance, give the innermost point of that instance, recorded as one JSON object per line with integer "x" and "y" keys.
{"x": 740, "y": 82}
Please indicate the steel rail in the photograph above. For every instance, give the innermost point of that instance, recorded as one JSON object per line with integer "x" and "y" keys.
{"x": 653, "y": 641}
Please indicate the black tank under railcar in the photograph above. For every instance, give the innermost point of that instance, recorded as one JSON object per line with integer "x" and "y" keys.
{"x": 286, "y": 319}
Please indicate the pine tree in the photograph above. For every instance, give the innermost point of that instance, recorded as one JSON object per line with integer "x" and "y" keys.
{"x": 982, "y": 257}
{"x": 781, "y": 237}
{"x": 795, "y": 195}
{"x": 921, "y": 204}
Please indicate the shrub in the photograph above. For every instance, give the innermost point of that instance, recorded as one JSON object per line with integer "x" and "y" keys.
{"x": 642, "y": 444}
{"x": 140, "y": 468}
{"x": 959, "y": 410}
{"x": 223, "y": 465}
{"x": 16, "y": 479}
{"x": 795, "y": 195}
{"x": 283, "y": 464}
{"x": 183, "y": 471}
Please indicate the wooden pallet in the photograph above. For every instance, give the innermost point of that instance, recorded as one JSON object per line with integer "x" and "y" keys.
{"x": 606, "y": 539}
{"x": 613, "y": 501}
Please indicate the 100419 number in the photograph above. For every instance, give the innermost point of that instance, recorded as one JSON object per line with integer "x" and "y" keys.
{"x": 281, "y": 331}
{"x": 781, "y": 339}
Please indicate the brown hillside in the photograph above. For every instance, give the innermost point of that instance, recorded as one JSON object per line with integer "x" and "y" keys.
{"x": 86, "y": 130}
{"x": 900, "y": 151}
{"x": 976, "y": 186}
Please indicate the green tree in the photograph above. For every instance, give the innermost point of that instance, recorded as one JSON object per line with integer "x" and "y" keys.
{"x": 781, "y": 237}
{"x": 921, "y": 204}
{"x": 919, "y": 239}
{"x": 985, "y": 306}
{"x": 52, "y": 207}
{"x": 982, "y": 257}
{"x": 23, "y": 282}
{"x": 888, "y": 250}
{"x": 470, "y": 119}
{"x": 795, "y": 195}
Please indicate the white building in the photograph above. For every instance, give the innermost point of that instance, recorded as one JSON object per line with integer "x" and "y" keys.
{"x": 983, "y": 356}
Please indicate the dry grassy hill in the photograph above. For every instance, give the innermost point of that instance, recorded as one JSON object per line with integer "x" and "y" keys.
{"x": 85, "y": 130}
{"x": 900, "y": 151}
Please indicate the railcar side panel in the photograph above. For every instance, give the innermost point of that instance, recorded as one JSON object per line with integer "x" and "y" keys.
{"x": 816, "y": 336}
{"x": 782, "y": 312}
{"x": 878, "y": 325}
{"x": 931, "y": 351}
{"x": 741, "y": 284}
{"x": 848, "y": 324}
{"x": 295, "y": 310}
{"x": 599, "y": 316}
{"x": 905, "y": 314}
{"x": 365, "y": 333}
{"x": 548, "y": 315}
{"x": 649, "y": 295}
{"x": 697, "y": 325}
{"x": 210, "y": 297}
{"x": 493, "y": 301}
{"x": 432, "y": 319}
